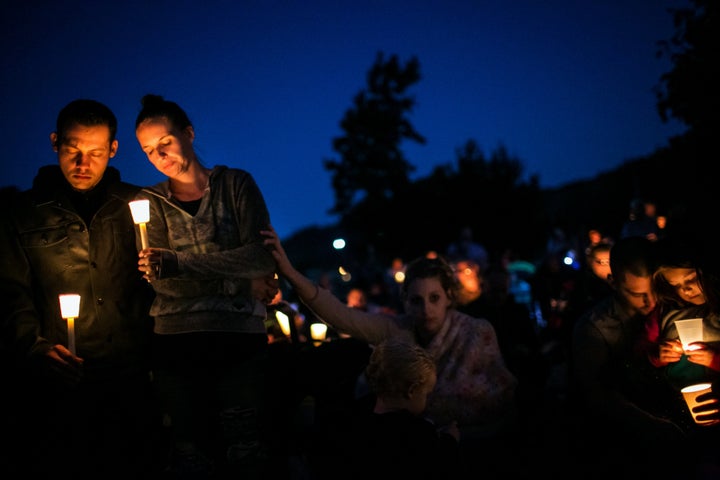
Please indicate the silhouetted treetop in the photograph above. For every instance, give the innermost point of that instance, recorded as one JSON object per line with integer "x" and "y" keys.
{"x": 371, "y": 162}
{"x": 690, "y": 91}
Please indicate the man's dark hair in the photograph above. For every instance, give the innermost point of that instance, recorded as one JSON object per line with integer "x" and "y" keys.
{"x": 636, "y": 255}
{"x": 89, "y": 113}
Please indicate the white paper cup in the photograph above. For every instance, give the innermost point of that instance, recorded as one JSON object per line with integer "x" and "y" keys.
{"x": 689, "y": 330}
{"x": 691, "y": 393}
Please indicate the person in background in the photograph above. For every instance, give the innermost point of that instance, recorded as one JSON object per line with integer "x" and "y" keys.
{"x": 293, "y": 330}
{"x": 641, "y": 221}
{"x": 517, "y": 336}
{"x": 521, "y": 273}
{"x": 467, "y": 248}
{"x": 471, "y": 283}
{"x": 625, "y": 410}
{"x": 598, "y": 260}
{"x": 213, "y": 278}
{"x": 395, "y": 438}
{"x": 555, "y": 286}
{"x": 89, "y": 413}
{"x": 595, "y": 282}
{"x": 594, "y": 236}
{"x": 474, "y": 387}
{"x": 357, "y": 297}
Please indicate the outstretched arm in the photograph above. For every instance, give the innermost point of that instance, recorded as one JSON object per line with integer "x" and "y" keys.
{"x": 305, "y": 288}
{"x": 370, "y": 327}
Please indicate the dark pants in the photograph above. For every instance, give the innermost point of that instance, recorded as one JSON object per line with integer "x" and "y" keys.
{"x": 211, "y": 388}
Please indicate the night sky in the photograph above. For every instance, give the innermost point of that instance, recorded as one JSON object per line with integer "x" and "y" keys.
{"x": 566, "y": 86}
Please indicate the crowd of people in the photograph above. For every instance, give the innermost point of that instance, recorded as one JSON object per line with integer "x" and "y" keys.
{"x": 195, "y": 354}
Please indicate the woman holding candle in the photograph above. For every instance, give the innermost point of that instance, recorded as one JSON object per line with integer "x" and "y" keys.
{"x": 213, "y": 278}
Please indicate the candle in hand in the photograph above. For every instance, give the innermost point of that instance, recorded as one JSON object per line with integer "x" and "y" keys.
{"x": 141, "y": 215}
{"x": 70, "y": 309}
{"x": 284, "y": 322}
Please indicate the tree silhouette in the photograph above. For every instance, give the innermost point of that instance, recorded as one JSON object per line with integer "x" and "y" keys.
{"x": 398, "y": 217}
{"x": 371, "y": 161}
{"x": 486, "y": 193}
{"x": 689, "y": 91}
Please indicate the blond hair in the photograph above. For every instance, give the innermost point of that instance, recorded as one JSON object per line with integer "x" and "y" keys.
{"x": 397, "y": 365}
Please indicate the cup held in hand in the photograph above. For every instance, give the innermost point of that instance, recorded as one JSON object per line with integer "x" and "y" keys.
{"x": 690, "y": 330}
{"x": 691, "y": 394}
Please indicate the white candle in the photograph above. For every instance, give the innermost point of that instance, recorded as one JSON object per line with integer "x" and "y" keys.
{"x": 141, "y": 215}
{"x": 284, "y": 322}
{"x": 71, "y": 335}
{"x": 70, "y": 309}
{"x": 318, "y": 331}
{"x": 143, "y": 235}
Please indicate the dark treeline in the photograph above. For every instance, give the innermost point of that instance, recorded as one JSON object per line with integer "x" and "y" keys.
{"x": 382, "y": 214}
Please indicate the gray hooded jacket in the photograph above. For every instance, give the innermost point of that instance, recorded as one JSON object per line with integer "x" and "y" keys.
{"x": 219, "y": 249}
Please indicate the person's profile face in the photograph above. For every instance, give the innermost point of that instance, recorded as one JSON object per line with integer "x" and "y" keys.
{"x": 637, "y": 292}
{"x": 84, "y": 153}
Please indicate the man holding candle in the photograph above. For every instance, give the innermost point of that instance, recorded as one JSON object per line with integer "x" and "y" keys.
{"x": 87, "y": 415}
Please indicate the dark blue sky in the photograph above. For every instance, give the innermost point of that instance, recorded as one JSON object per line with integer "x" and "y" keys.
{"x": 564, "y": 85}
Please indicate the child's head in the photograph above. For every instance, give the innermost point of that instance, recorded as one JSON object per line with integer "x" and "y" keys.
{"x": 402, "y": 374}
{"x": 678, "y": 277}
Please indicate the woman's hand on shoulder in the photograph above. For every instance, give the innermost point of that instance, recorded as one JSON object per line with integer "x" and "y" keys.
{"x": 273, "y": 241}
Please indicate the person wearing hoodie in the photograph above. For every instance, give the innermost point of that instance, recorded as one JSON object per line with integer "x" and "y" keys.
{"x": 213, "y": 279}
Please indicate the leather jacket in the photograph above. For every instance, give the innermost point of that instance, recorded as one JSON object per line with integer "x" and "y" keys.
{"x": 49, "y": 249}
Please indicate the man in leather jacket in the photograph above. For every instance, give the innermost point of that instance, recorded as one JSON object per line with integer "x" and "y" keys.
{"x": 89, "y": 413}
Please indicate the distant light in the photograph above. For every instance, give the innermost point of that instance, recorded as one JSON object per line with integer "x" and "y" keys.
{"x": 344, "y": 274}
{"x": 339, "y": 243}
{"x": 571, "y": 259}
{"x": 399, "y": 277}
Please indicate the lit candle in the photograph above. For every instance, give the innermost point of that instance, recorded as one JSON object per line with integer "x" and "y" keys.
{"x": 318, "y": 331}
{"x": 284, "y": 322}
{"x": 141, "y": 215}
{"x": 69, "y": 310}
